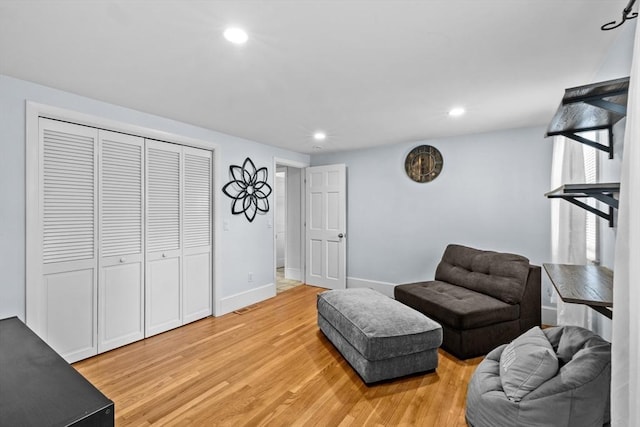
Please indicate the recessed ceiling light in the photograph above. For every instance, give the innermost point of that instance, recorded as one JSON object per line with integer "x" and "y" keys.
{"x": 236, "y": 35}
{"x": 456, "y": 112}
{"x": 319, "y": 136}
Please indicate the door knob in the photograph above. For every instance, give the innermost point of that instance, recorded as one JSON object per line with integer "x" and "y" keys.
{"x": 122, "y": 259}
{"x": 340, "y": 236}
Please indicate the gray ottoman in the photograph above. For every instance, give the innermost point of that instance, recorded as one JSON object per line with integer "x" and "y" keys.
{"x": 380, "y": 337}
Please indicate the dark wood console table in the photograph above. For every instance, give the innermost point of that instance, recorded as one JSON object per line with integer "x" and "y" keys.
{"x": 584, "y": 284}
{"x": 39, "y": 388}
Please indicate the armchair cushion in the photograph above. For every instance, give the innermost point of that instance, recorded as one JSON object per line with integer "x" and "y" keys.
{"x": 500, "y": 275}
{"x": 526, "y": 363}
{"x": 458, "y": 307}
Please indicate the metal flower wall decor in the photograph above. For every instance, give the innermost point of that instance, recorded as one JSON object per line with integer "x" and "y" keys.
{"x": 249, "y": 189}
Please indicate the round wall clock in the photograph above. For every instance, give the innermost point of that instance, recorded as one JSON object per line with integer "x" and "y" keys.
{"x": 423, "y": 163}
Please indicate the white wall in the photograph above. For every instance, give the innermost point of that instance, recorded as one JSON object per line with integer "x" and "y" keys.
{"x": 245, "y": 247}
{"x": 490, "y": 195}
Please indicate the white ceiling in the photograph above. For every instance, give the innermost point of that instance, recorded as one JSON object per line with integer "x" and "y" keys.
{"x": 366, "y": 72}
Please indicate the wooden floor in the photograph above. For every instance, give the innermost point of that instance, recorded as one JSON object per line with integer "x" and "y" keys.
{"x": 269, "y": 365}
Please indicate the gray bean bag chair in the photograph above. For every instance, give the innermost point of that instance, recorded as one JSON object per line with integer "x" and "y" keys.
{"x": 558, "y": 376}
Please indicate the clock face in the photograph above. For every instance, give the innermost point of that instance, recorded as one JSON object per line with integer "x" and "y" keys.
{"x": 423, "y": 163}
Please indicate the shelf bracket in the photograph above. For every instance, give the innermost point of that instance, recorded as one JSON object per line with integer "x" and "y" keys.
{"x": 607, "y": 199}
{"x": 581, "y": 139}
{"x": 602, "y": 310}
{"x": 603, "y": 193}
{"x": 573, "y": 199}
{"x": 609, "y": 106}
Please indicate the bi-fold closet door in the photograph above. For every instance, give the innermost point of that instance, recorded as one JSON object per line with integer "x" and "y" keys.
{"x": 164, "y": 237}
{"x": 121, "y": 235}
{"x": 63, "y": 307}
{"x": 126, "y": 238}
{"x": 179, "y": 249}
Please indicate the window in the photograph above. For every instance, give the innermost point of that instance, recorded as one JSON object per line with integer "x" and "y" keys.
{"x": 591, "y": 177}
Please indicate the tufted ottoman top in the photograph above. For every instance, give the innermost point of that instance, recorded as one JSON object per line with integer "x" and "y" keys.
{"x": 377, "y": 326}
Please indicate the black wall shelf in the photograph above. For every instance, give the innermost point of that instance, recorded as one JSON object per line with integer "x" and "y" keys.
{"x": 603, "y": 192}
{"x": 596, "y": 106}
{"x": 591, "y": 107}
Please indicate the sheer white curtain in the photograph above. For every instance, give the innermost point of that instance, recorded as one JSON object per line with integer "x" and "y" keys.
{"x": 625, "y": 380}
{"x": 568, "y": 224}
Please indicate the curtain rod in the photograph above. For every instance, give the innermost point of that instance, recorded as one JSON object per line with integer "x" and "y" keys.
{"x": 626, "y": 14}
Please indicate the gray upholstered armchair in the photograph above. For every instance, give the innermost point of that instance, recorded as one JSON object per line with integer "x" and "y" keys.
{"x": 575, "y": 395}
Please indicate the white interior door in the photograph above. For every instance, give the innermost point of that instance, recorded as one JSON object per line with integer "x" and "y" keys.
{"x": 326, "y": 228}
{"x": 121, "y": 252}
{"x": 197, "y": 276}
{"x": 164, "y": 237}
{"x": 66, "y": 300}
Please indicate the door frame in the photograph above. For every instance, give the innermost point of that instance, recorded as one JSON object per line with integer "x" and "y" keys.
{"x": 277, "y": 212}
{"x": 279, "y": 161}
{"x": 34, "y": 111}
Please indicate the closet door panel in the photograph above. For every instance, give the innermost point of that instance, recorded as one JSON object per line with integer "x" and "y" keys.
{"x": 66, "y": 300}
{"x": 121, "y": 304}
{"x": 197, "y": 237}
{"x": 164, "y": 295}
{"x": 121, "y": 285}
{"x": 71, "y": 313}
{"x": 197, "y": 286}
{"x": 163, "y": 237}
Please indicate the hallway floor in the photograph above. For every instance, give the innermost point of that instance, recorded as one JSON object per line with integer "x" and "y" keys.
{"x": 283, "y": 284}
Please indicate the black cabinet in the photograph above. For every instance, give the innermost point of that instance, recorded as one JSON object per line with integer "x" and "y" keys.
{"x": 39, "y": 388}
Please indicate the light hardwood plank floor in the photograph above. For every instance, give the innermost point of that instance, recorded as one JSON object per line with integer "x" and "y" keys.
{"x": 269, "y": 365}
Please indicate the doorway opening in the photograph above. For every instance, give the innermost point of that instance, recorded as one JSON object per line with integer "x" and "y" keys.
{"x": 288, "y": 230}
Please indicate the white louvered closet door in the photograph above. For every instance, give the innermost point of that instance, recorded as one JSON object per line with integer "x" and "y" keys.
{"x": 163, "y": 237}
{"x": 121, "y": 251}
{"x": 197, "y": 235}
{"x": 66, "y": 303}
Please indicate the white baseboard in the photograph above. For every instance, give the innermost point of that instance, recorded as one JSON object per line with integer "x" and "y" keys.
{"x": 246, "y": 298}
{"x": 293, "y": 274}
{"x": 549, "y": 316}
{"x": 382, "y": 287}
